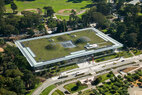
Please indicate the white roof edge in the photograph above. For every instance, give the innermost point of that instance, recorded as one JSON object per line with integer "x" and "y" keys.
{"x": 33, "y": 63}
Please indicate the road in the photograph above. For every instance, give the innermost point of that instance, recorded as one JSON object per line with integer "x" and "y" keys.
{"x": 134, "y": 2}
{"x": 86, "y": 70}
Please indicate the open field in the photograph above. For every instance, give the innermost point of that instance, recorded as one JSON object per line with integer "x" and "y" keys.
{"x": 45, "y": 49}
{"x": 87, "y": 92}
{"x": 56, "y": 4}
{"x": 106, "y": 77}
{"x": 48, "y": 89}
{"x": 57, "y": 92}
{"x": 66, "y": 17}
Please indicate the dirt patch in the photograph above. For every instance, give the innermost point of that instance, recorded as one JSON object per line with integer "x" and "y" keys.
{"x": 135, "y": 82}
{"x": 63, "y": 11}
{"x": 32, "y": 10}
{"x": 67, "y": 12}
{"x": 129, "y": 69}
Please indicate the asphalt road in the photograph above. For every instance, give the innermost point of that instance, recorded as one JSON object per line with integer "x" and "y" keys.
{"x": 49, "y": 82}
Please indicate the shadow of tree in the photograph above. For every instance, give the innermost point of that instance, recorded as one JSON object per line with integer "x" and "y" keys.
{"x": 76, "y": 1}
{"x": 88, "y": 6}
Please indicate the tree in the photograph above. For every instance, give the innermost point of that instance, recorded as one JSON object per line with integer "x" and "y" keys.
{"x": 2, "y": 8}
{"x": 100, "y": 19}
{"x": 18, "y": 86}
{"x": 95, "y": 92}
{"x": 61, "y": 26}
{"x": 29, "y": 79}
{"x": 30, "y": 32}
{"x": 13, "y": 6}
{"x": 73, "y": 19}
{"x": 97, "y": 81}
{"x": 99, "y": 1}
{"x": 6, "y": 92}
{"x": 78, "y": 83}
{"x": 74, "y": 88}
{"x": 48, "y": 11}
{"x": 132, "y": 39}
{"x": 139, "y": 84}
{"x": 51, "y": 22}
{"x": 140, "y": 80}
{"x": 13, "y": 73}
{"x": 105, "y": 9}
{"x": 8, "y": 1}
{"x": 30, "y": 20}
{"x": 121, "y": 30}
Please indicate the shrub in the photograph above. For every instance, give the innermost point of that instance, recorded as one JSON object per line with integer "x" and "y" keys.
{"x": 82, "y": 40}
{"x": 53, "y": 46}
{"x": 61, "y": 38}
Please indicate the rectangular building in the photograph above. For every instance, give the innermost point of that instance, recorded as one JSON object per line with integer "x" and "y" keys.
{"x": 71, "y": 46}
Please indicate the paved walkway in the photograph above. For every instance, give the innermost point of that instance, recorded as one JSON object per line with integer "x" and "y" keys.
{"x": 135, "y": 91}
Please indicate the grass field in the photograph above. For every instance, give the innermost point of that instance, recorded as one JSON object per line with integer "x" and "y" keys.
{"x": 105, "y": 77}
{"x": 137, "y": 52}
{"x": 56, "y": 4}
{"x": 48, "y": 89}
{"x": 57, "y": 92}
{"x": 66, "y": 17}
{"x": 105, "y": 58}
{"x": 125, "y": 54}
{"x": 44, "y": 54}
{"x": 64, "y": 68}
{"x": 71, "y": 85}
{"x": 87, "y": 92}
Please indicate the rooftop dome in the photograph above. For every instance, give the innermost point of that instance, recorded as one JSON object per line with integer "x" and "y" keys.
{"x": 83, "y": 39}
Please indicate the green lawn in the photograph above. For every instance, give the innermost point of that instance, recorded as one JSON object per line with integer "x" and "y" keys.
{"x": 56, "y": 4}
{"x": 71, "y": 85}
{"x": 125, "y": 54}
{"x": 62, "y": 17}
{"x": 105, "y": 77}
{"x": 87, "y": 92}
{"x": 66, "y": 17}
{"x": 57, "y": 92}
{"x": 43, "y": 54}
{"x": 65, "y": 68}
{"x": 137, "y": 52}
{"x": 140, "y": 14}
{"x": 105, "y": 58}
{"x": 48, "y": 89}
